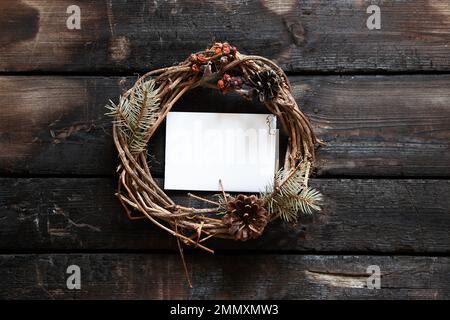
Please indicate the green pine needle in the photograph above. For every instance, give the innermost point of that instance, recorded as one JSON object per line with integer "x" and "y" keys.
{"x": 136, "y": 115}
{"x": 289, "y": 195}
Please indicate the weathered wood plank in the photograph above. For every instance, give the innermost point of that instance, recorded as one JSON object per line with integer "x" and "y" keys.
{"x": 373, "y": 125}
{"x": 313, "y": 35}
{"x": 359, "y": 216}
{"x": 146, "y": 276}
{"x": 56, "y": 125}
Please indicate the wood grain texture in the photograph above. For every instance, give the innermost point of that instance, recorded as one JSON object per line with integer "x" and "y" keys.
{"x": 55, "y": 125}
{"x": 373, "y": 125}
{"x": 146, "y": 276}
{"x": 359, "y": 216}
{"x": 385, "y": 127}
{"x": 310, "y": 35}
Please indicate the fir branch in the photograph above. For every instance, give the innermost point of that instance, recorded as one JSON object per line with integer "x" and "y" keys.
{"x": 290, "y": 195}
{"x": 135, "y": 115}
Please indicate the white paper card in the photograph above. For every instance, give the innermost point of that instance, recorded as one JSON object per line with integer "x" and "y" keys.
{"x": 201, "y": 148}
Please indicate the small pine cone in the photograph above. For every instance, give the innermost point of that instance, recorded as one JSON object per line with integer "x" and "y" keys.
{"x": 246, "y": 217}
{"x": 266, "y": 84}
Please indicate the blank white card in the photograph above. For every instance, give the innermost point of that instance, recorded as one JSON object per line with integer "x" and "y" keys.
{"x": 239, "y": 149}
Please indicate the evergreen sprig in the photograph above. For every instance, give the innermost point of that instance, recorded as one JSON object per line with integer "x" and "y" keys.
{"x": 290, "y": 194}
{"x": 136, "y": 114}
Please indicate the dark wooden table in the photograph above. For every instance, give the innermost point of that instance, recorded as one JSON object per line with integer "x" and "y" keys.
{"x": 379, "y": 98}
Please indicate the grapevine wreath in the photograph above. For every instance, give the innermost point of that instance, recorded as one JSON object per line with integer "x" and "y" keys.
{"x": 143, "y": 108}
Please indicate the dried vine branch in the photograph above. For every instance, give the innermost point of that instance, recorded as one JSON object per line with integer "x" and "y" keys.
{"x": 142, "y": 109}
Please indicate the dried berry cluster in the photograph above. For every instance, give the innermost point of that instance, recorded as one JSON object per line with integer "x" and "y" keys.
{"x": 224, "y": 49}
{"x": 215, "y": 57}
{"x": 228, "y": 83}
{"x": 263, "y": 84}
{"x": 198, "y": 60}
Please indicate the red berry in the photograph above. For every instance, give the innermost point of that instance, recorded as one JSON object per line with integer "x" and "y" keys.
{"x": 221, "y": 84}
{"x": 195, "y": 68}
{"x": 226, "y": 49}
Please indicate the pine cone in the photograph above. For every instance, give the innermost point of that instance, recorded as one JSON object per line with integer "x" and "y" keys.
{"x": 246, "y": 218}
{"x": 266, "y": 84}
